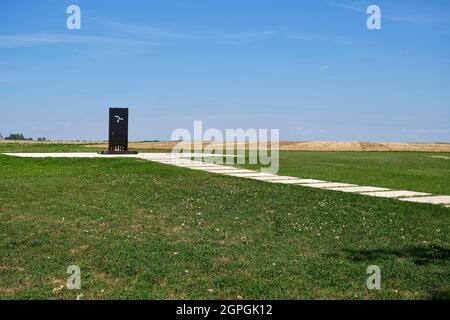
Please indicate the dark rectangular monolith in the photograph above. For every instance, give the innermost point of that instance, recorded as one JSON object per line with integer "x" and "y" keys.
{"x": 118, "y": 129}
{"x": 118, "y": 132}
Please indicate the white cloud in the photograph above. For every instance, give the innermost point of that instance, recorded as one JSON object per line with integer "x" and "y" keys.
{"x": 317, "y": 38}
{"x": 239, "y": 37}
{"x": 419, "y": 19}
{"x": 136, "y": 29}
{"x": 245, "y": 37}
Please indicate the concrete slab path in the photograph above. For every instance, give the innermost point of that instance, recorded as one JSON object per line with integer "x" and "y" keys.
{"x": 179, "y": 161}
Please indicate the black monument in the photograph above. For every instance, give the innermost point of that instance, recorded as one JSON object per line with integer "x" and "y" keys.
{"x": 118, "y": 132}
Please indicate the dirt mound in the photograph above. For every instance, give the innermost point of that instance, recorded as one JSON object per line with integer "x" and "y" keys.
{"x": 365, "y": 146}
{"x": 373, "y": 146}
{"x": 283, "y": 145}
{"x": 318, "y": 146}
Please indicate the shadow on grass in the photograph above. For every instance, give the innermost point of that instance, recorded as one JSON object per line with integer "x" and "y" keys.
{"x": 420, "y": 255}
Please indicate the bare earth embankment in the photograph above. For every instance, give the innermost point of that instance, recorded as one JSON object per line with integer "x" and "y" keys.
{"x": 284, "y": 145}
{"x": 315, "y": 146}
{"x": 150, "y": 230}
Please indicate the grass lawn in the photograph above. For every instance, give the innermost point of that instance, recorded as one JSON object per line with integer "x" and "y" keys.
{"x": 144, "y": 230}
{"x": 414, "y": 171}
{"x": 58, "y": 147}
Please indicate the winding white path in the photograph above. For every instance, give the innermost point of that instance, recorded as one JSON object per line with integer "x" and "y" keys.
{"x": 177, "y": 160}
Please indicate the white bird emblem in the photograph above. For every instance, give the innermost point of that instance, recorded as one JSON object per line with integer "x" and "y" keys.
{"x": 119, "y": 119}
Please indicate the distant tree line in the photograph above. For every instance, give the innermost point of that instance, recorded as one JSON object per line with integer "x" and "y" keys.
{"x": 19, "y": 136}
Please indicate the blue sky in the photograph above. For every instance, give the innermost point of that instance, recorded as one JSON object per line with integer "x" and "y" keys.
{"x": 310, "y": 68}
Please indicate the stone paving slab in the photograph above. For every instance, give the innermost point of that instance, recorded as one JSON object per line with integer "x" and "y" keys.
{"x": 395, "y": 194}
{"x": 359, "y": 189}
{"x": 207, "y": 168}
{"x": 154, "y": 159}
{"x": 190, "y": 163}
{"x": 275, "y": 180}
{"x": 283, "y": 178}
{"x": 280, "y": 178}
{"x": 327, "y": 185}
{"x": 303, "y": 182}
{"x": 201, "y": 168}
{"x": 290, "y": 178}
{"x": 251, "y": 175}
{"x": 290, "y": 181}
{"x": 263, "y": 178}
{"x": 178, "y": 161}
{"x": 172, "y": 159}
{"x": 158, "y": 156}
{"x": 189, "y": 166}
{"x": 229, "y": 168}
{"x": 219, "y": 167}
{"x": 432, "y": 200}
{"x": 173, "y": 162}
{"x": 184, "y": 165}
{"x": 214, "y": 167}
{"x": 226, "y": 172}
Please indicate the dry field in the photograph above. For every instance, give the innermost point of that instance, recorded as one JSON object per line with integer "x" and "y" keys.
{"x": 27, "y": 142}
{"x": 284, "y": 145}
{"x": 314, "y": 146}
{"x": 147, "y": 230}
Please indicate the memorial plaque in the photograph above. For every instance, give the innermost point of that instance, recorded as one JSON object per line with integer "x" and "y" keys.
{"x": 118, "y": 129}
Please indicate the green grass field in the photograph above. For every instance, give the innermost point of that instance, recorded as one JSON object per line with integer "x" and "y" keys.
{"x": 57, "y": 147}
{"x": 415, "y": 171}
{"x": 143, "y": 230}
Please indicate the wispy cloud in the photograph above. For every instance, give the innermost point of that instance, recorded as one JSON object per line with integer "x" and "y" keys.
{"x": 249, "y": 37}
{"x": 419, "y": 19}
{"x": 238, "y": 37}
{"x": 157, "y": 32}
{"x": 352, "y": 8}
{"x": 134, "y": 34}
{"x": 318, "y": 38}
{"x": 422, "y": 19}
{"x": 28, "y": 40}
{"x": 246, "y": 37}
{"x": 136, "y": 29}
